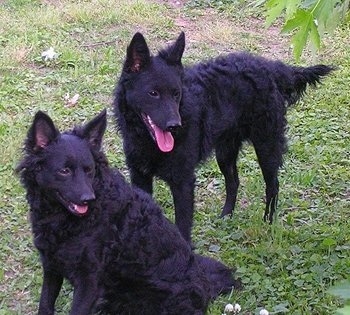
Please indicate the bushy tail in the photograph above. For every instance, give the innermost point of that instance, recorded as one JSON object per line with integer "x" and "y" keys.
{"x": 220, "y": 277}
{"x": 294, "y": 87}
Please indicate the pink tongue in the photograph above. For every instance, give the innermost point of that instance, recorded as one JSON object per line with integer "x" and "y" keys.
{"x": 164, "y": 139}
{"x": 81, "y": 209}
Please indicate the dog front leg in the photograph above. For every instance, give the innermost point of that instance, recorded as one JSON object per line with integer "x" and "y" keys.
{"x": 51, "y": 287}
{"x": 183, "y": 195}
{"x": 84, "y": 297}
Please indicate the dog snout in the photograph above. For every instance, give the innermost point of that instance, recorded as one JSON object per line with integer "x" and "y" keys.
{"x": 87, "y": 197}
{"x": 173, "y": 125}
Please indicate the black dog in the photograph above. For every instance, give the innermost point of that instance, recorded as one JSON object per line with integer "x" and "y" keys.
{"x": 171, "y": 118}
{"x": 109, "y": 240}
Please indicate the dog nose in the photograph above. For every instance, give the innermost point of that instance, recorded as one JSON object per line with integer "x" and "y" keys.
{"x": 87, "y": 197}
{"x": 173, "y": 125}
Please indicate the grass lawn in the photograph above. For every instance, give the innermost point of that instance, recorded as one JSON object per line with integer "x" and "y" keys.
{"x": 287, "y": 267}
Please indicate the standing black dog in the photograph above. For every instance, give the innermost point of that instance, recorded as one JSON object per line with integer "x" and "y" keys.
{"x": 109, "y": 240}
{"x": 171, "y": 118}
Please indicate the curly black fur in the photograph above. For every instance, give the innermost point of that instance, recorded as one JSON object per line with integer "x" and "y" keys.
{"x": 122, "y": 255}
{"x": 223, "y": 102}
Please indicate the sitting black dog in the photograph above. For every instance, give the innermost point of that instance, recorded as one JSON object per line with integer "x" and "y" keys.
{"x": 109, "y": 240}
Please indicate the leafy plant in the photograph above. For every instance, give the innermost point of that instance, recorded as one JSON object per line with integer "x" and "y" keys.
{"x": 342, "y": 290}
{"x": 306, "y": 19}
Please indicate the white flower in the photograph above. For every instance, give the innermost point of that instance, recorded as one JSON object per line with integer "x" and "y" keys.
{"x": 49, "y": 54}
{"x": 263, "y": 312}
{"x": 70, "y": 102}
{"x": 229, "y": 308}
{"x": 74, "y": 100}
{"x": 237, "y": 308}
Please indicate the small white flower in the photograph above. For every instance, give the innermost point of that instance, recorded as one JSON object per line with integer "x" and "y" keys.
{"x": 263, "y": 312}
{"x": 70, "y": 102}
{"x": 49, "y": 54}
{"x": 74, "y": 99}
{"x": 237, "y": 308}
{"x": 229, "y": 308}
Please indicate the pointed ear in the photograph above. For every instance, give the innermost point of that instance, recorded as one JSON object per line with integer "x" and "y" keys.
{"x": 173, "y": 53}
{"x": 42, "y": 132}
{"x": 138, "y": 55}
{"x": 94, "y": 130}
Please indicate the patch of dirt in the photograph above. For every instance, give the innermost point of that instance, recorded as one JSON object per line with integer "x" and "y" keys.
{"x": 224, "y": 33}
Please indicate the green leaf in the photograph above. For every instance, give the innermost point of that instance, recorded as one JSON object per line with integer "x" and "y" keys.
{"x": 281, "y": 308}
{"x": 301, "y": 22}
{"x": 327, "y": 242}
{"x": 315, "y": 35}
{"x": 274, "y": 9}
{"x": 297, "y": 21}
{"x": 337, "y": 15}
{"x": 341, "y": 290}
{"x": 291, "y": 7}
{"x": 214, "y": 248}
{"x": 323, "y": 12}
{"x": 308, "y": 19}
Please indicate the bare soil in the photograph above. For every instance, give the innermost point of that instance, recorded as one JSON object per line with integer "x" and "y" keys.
{"x": 230, "y": 33}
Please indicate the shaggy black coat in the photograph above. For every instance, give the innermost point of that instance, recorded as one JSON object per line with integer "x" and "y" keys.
{"x": 172, "y": 117}
{"x": 111, "y": 241}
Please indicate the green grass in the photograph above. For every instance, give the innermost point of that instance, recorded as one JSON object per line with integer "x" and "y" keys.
{"x": 287, "y": 267}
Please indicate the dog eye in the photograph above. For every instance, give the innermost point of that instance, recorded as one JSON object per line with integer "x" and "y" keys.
{"x": 64, "y": 171}
{"x": 88, "y": 170}
{"x": 153, "y": 93}
{"x": 176, "y": 94}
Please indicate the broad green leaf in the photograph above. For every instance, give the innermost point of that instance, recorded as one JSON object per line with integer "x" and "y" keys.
{"x": 291, "y": 7}
{"x": 281, "y": 308}
{"x": 274, "y": 9}
{"x": 341, "y": 290}
{"x": 297, "y": 21}
{"x": 337, "y": 15}
{"x": 302, "y": 24}
{"x": 299, "y": 42}
{"x": 329, "y": 242}
{"x": 214, "y": 248}
{"x": 306, "y": 19}
{"x": 315, "y": 35}
{"x": 323, "y": 11}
